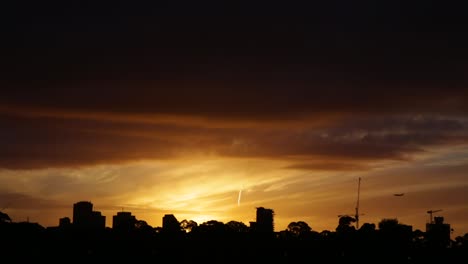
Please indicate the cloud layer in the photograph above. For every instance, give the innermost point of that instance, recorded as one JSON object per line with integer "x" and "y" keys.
{"x": 170, "y": 107}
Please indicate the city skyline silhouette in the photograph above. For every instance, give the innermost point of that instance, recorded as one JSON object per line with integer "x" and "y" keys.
{"x": 86, "y": 237}
{"x": 325, "y": 112}
{"x": 84, "y": 216}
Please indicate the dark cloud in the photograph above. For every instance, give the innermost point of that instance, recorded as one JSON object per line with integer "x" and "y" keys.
{"x": 361, "y": 63}
{"x": 247, "y": 101}
{"x": 237, "y": 60}
{"x": 359, "y": 139}
{"x": 50, "y": 142}
{"x": 44, "y": 142}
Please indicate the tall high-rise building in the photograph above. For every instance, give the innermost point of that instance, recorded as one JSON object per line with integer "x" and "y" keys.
{"x": 85, "y": 217}
{"x": 82, "y": 212}
{"x": 264, "y": 222}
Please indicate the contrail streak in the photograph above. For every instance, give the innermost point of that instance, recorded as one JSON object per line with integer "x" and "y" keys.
{"x": 239, "y": 197}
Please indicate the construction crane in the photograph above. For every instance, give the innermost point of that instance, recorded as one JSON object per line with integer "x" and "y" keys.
{"x": 430, "y": 212}
{"x": 357, "y": 204}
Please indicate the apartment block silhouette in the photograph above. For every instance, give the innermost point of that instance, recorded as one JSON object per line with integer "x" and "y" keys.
{"x": 170, "y": 223}
{"x": 123, "y": 221}
{"x": 85, "y": 217}
{"x": 264, "y": 222}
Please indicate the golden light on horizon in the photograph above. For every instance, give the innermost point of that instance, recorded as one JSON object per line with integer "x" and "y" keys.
{"x": 208, "y": 188}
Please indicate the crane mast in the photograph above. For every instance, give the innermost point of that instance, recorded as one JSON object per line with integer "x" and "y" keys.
{"x": 357, "y": 204}
{"x": 430, "y": 212}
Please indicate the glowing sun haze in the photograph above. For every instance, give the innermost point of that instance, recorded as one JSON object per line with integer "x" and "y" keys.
{"x": 189, "y": 110}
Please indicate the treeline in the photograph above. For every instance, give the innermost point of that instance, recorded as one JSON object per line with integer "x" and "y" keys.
{"x": 218, "y": 242}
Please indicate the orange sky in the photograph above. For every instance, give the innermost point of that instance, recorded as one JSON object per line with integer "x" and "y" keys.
{"x": 303, "y": 170}
{"x": 162, "y": 108}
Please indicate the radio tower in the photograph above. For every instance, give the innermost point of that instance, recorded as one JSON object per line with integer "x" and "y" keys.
{"x": 357, "y": 204}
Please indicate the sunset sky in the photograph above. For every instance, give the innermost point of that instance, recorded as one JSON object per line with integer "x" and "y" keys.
{"x": 209, "y": 110}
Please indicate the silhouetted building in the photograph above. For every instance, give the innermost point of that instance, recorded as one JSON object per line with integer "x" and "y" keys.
{"x": 170, "y": 223}
{"x": 123, "y": 221}
{"x": 253, "y": 225}
{"x": 264, "y": 222}
{"x": 85, "y": 217}
{"x": 82, "y": 212}
{"x": 98, "y": 220}
{"x": 64, "y": 222}
{"x": 438, "y": 233}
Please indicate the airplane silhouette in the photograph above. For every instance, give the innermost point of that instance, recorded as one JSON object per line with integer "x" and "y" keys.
{"x": 398, "y": 194}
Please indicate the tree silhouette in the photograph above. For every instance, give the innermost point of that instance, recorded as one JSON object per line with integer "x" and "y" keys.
{"x": 395, "y": 239}
{"x": 299, "y": 228}
{"x": 461, "y": 241}
{"x": 388, "y": 224}
{"x": 418, "y": 238}
{"x": 212, "y": 226}
{"x": 367, "y": 228}
{"x": 236, "y": 226}
{"x": 143, "y": 227}
{"x": 4, "y": 218}
{"x": 188, "y": 225}
{"x": 345, "y": 224}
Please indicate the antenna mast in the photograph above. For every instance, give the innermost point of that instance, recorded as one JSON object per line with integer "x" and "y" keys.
{"x": 357, "y": 204}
